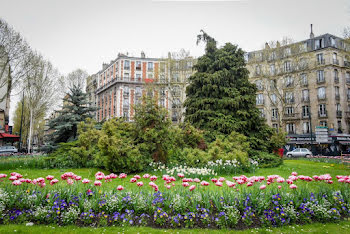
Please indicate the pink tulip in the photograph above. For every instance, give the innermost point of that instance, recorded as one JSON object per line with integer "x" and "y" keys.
{"x": 146, "y": 176}
{"x": 100, "y": 177}
{"x": 78, "y": 178}
{"x": 3, "y": 175}
{"x": 168, "y": 186}
{"x": 294, "y": 173}
{"x": 49, "y": 177}
{"x": 13, "y": 178}
{"x": 153, "y": 178}
{"x": 279, "y": 186}
{"x": 214, "y": 180}
{"x": 85, "y": 181}
{"x": 122, "y": 176}
{"x": 197, "y": 180}
{"x": 16, "y": 182}
{"x": 204, "y": 183}
{"x": 219, "y": 184}
{"x": 262, "y": 187}
{"x": 137, "y": 177}
{"x": 221, "y": 179}
{"x": 133, "y": 180}
{"x": 70, "y": 181}
{"x": 192, "y": 187}
{"x": 97, "y": 183}
{"x": 139, "y": 184}
{"x": 250, "y": 184}
{"x": 120, "y": 188}
{"x": 180, "y": 175}
{"x": 185, "y": 184}
{"x": 54, "y": 181}
{"x": 293, "y": 186}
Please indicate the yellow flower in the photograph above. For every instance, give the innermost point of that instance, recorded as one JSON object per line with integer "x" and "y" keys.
{"x": 28, "y": 190}
{"x": 100, "y": 191}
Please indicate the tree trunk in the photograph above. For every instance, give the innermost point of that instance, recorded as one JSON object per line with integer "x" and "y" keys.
{"x": 30, "y": 130}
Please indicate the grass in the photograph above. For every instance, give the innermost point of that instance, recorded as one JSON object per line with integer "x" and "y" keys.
{"x": 339, "y": 228}
{"x": 303, "y": 167}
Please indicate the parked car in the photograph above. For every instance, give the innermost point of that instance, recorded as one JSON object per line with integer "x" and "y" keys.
{"x": 299, "y": 152}
{"x": 8, "y": 150}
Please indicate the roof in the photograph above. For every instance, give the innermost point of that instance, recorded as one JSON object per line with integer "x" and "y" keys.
{"x": 7, "y": 135}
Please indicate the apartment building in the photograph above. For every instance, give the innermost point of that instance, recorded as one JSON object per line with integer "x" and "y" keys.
{"x": 122, "y": 82}
{"x": 91, "y": 87}
{"x": 303, "y": 86}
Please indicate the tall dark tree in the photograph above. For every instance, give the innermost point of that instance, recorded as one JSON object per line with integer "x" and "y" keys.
{"x": 75, "y": 110}
{"x": 220, "y": 99}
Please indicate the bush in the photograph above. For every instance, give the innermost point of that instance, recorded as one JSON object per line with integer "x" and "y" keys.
{"x": 267, "y": 160}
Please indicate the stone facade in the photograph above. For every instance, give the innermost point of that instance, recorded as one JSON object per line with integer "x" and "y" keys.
{"x": 304, "y": 85}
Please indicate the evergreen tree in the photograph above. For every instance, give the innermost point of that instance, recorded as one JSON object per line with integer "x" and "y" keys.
{"x": 75, "y": 110}
{"x": 220, "y": 99}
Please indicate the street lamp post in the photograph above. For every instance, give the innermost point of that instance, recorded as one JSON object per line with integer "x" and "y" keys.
{"x": 20, "y": 129}
{"x": 311, "y": 140}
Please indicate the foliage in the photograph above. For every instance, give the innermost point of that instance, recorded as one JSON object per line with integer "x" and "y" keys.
{"x": 220, "y": 99}
{"x": 65, "y": 125}
{"x": 267, "y": 160}
{"x": 118, "y": 151}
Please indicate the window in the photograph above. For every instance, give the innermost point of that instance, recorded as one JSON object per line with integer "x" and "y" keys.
{"x": 303, "y": 79}
{"x": 162, "y": 67}
{"x": 335, "y": 59}
{"x": 290, "y": 128}
{"x": 335, "y": 74}
{"x": 162, "y": 91}
{"x": 274, "y": 113}
{"x": 272, "y": 55}
{"x": 273, "y": 84}
{"x": 275, "y": 126}
{"x": 138, "y": 65}
{"x": 287, "y": 66}
{"x": 321, "y": 93}
{"x": 347, "y": 77}
{"x": 257, "y": 70}
{"x": 319, "y": 43}
{"x": 319, "y": 58}
{"x": 336, "y": 92}
{"x": 323, "y": 123}
{"x": 175, "y": 77}
{"x": 126, "y": 65}
{"x": 306, "y": 127}
{"x": 305, "y": 95}
{"x": 289, "y": 110}
{"x": 303, "y": 64}
{"x": 338, "y": 107}
{"x": 289, "y": 97}
{"x": 126, "y": 115}
{"x": 138, "y": 77}
{"x": 259, "y": 85}
{"x": 162, "y": 102}
{"x": 262, "y": 114}
{"x": 348, "y": 93}
{"x": 303, "y": 47}
{"x": 126, "y": 103}
{"x": 138, "y": 91}
{"x": 126, "y": 90}
{"x": 272, "y": 69}
{"x": 306, "y": 110}
{"x": 288, "y": 81}
{"x": 322, "y": 110}
{"x": 189, "y": 64}
{"x": 332, "y": 41}
{"x": 320, "y": 76}
{"x": 126, "y": 76}
{"x": 259, "y": 99}
{"x": 150, "y": 66}
{"x": 273, "y": 98}
{"x": 339, "y": 127}
{"x": 287, "y": 51}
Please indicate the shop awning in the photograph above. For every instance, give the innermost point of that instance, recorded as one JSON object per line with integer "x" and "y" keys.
{"x": 344, "y": 142}
{"x": 7, "y": 136}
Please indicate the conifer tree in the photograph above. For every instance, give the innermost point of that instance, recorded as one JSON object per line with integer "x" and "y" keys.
{"x": 220, "y": 99}
{"x": 75, "y": 110}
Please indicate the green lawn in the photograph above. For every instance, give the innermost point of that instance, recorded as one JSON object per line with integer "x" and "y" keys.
{"x": 336, "y": 228}
{"x": 303, "y": 167}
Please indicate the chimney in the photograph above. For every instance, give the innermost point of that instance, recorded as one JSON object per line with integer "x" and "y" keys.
{"x": 143, "y": 54}
{"x": 267, "y": 46}
{"x": 311, "y": 34}
{"x": 104, "y": 66}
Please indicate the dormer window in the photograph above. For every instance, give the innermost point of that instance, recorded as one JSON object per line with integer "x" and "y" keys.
{"x": 319, "y": 43}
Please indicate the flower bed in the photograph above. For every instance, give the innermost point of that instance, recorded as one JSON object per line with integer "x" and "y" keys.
{"x": 241, "y": 202}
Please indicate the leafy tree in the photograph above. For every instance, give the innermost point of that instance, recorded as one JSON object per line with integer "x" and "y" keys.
{"x": 220, "y": 99}
{"x": 75, "y": 110}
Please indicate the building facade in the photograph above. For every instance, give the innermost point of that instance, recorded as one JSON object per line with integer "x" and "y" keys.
{"x": 122, "y": 82}
{"x": 91, "y": 87}
{"x": 303, "y": 86}
{"x": 4, "y": 96}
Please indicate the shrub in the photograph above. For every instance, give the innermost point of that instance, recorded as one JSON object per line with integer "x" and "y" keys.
{"x": 266, "y": 160}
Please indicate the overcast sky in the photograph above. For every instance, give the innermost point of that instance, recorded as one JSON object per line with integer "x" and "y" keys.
{"x": 85, "y": 33}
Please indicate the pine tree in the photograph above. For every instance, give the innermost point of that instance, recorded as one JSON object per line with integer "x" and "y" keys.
{"x": 220, "y": 99}
{"x": 75, "y": 110}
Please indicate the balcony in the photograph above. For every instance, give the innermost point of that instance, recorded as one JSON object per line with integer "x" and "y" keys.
{"x": 347, "y": 114}
{"x": 304, "y": 84}
{"x": 305, "y": 115}
{"x": 291, "y": 116}
{"x": 323, "y": 98}
{"x": 138, "y": 68}
{"x": 259, "y": 102}
{"x": 322, "y": 114}
{"x": 321, "y": 80}
{"x": 320, "y": 62}
{"x": 289, "y": 100}
{"x": 289, "y": 85}
{"x": 336, "y": 80}
{"x": 339, "y": 114}
{"x": 274, "y": 118}
{"x": 305, "y": 99}
{"x": 126, "y": 67}
{"x": 335, "y": 61}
